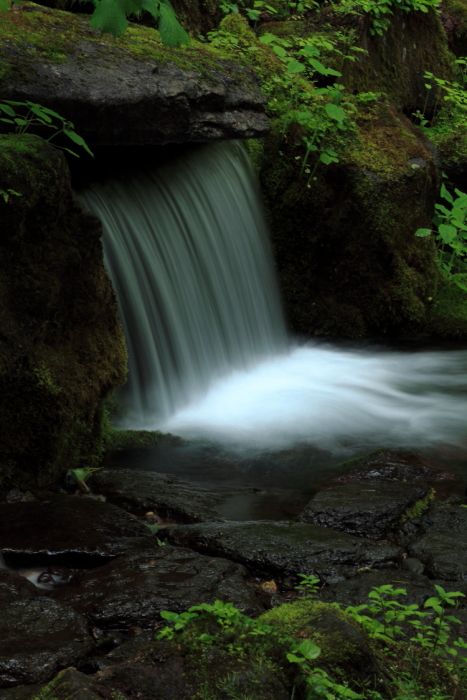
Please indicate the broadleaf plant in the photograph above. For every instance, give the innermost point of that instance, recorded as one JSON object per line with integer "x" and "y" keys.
{"x": 110, "y": 16}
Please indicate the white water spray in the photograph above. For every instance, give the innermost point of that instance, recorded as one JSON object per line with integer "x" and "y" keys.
{"x": 187, "y": 251}
{"x": 186, "y": 248}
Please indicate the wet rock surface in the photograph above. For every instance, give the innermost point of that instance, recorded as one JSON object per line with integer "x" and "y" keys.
{"x": 13, "y": 586}
{"x": 133, "y": 589}
{"x": 287, "y": 548}
{"x": 38, "y": 637}
{"x": 394, "y": 464}
{"x": 166, "y": 495}
{"x": 438, "y": 539}
{"x": 365, "y": 509}
{"x": 67, "y": 525}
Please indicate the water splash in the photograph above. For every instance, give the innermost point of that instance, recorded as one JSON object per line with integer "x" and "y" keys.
{"x": 331, "y": 397}
{"x": 187, "y": 251}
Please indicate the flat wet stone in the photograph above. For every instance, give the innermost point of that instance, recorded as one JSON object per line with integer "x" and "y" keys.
{"x": 38, "y": 637}
{"x": 287, "y": 548}
{"x": 84, "y": 527}
{"x": 168, "y": 496}
{"x": 133, "y": 589}
{"x": 364, "y": 509}
{"x": 403, "y": 465}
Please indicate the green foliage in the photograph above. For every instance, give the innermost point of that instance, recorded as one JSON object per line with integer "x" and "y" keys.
{"x": 24, "y": 116}
{"x": 110, "y": 16}
{"x": 380, "y": 11}
{"x": 82, "y": 474}
{"x": 451, "y": 234}
{"x": 4, "y": 5}
{"x": 254, "y": 9}
{"x": 6, "y": 194}
{"x": 309, "y": 585}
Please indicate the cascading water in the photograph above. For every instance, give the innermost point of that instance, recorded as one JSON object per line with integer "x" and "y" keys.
{"x": 187, "y": 251}
{"x": 186, "y": 248}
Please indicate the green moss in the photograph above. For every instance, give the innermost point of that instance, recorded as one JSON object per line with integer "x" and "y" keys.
{"x": 448, "y": 315}
{"x": 458, "y": 10}
{"x": 129, "y": 439}
{"x": 418, "y": 508}
{"x": 53, "y": 36}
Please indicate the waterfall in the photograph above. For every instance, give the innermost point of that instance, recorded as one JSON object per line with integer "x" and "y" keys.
{"x": 187, "y": 251}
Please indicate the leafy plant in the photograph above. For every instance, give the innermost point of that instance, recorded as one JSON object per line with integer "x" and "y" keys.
{"x": 26, "y": 115}
{"x": 309, "y": 584}
{"x": 451, "y": 234}
{"x": 82, "y": 474}
{"x": 380, "y": 11}
{"x": 110, "y": 16}
{"x": 6, "y": 194}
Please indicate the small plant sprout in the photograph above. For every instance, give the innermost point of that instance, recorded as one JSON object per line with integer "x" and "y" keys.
{"x": 81, "y": 476}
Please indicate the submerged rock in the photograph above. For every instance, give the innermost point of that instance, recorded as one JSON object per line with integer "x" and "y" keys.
{"x": 69, "y": 529}
{"x": 287, "y": 548}
{"x": 133, "y": 589}
{"x": 38, "y": 637}
{"x": 170, "y": 497}
{"x": 365, "y": 509}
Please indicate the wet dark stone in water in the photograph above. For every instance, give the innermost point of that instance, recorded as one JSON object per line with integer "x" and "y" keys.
{"x": 86, "y": 528}
{"x": 38, "y": 637}
{"x": 14, "y": 586}
{"x": 287, "y": 548}
{"x": 133, "y": 589}
{"x": 364, "y": 509}
{"x": 392, "y": 464}
{"x": 167, "y": 495}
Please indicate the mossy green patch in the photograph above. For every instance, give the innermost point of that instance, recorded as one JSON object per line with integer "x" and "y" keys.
{"x": 33, "y": 34}
{"x": 418, "y": 508}
{"x": 448, "y": 314}
{"x": 130, "y": 439}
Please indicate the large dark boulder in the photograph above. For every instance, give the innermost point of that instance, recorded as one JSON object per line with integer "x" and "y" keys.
{"x": 61, "y": 343}
{"x": 287, "y": 548}
{"x": 132, "y": 90}
{"x": 38, "y": 637}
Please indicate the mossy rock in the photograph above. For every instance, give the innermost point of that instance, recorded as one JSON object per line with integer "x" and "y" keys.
{"x": 454, "y": 17}
{"x": 348, "y": 260}
{"x": 61, "y": 345}
{"x": 393, "y": 63}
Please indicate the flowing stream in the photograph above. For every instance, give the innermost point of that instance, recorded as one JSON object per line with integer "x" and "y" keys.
{"x": 210, "y": 359}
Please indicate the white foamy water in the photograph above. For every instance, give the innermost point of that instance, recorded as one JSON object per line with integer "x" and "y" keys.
{"x": 327, "y": 397}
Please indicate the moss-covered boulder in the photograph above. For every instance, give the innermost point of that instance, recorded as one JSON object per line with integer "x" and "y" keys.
{"x": 348, "y": 260}
{"x": 61, "y": 343}
{"x": 132, "y": 90}
{"x": 454, "y": 18}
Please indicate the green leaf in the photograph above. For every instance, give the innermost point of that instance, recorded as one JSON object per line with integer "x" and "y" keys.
{"x": 319, "y": 68}
{"x": 110, "y": 17}
{"x": 445, "y": 194}
{"x": 334, "y": 112}
{"x": 279, "y": 51}
{"x": 4, "y": 5}
{"x": 78, "y": 139}
{"x": 295, "y": 67}
{"x": 7, "y": 109}
{"x": 422, "y": 232}
{"x": 170, "y": 29}
{"x": 309, "y": 650}
{"x": 447, "y": 233}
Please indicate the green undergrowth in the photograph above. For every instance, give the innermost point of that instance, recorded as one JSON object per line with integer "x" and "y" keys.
{"x": 418, "y": 508}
